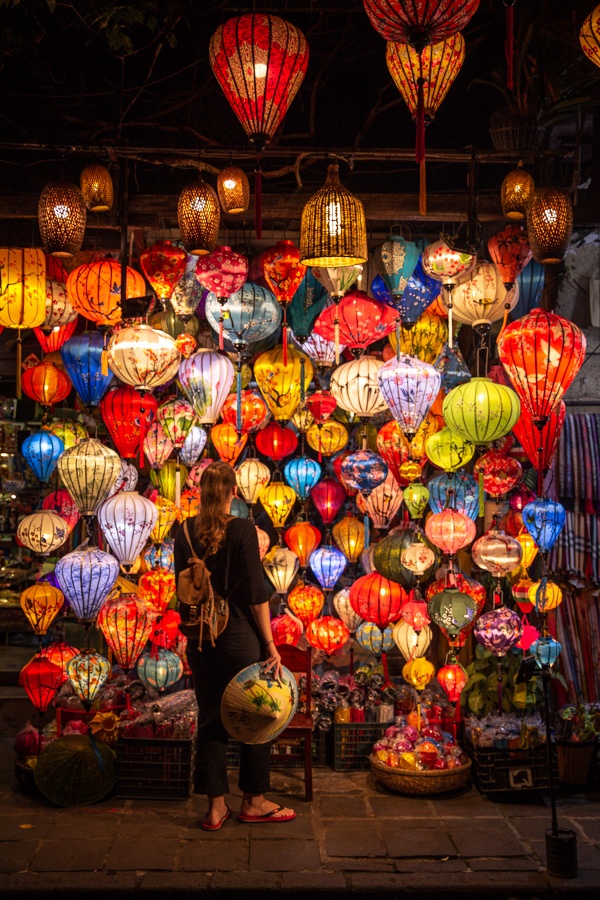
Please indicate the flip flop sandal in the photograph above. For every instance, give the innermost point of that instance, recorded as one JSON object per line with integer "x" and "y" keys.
{"x": 269, "y": 817}
{"x": 206, "y": 827}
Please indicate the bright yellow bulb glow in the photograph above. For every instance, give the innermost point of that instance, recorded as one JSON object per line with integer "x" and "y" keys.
{"x": 334, "y": 216}
{"x": 61, "y": 211}
{"x": 551, "y": 216}
{"x": 230, "y": 183}
{"x": 260, "y": 70}
{"x": 198, "y": 204}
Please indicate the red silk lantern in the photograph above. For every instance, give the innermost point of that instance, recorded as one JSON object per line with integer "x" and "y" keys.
{"x": 512, "y": 522}
{"x": 163, "y": 265}
{"x": 510, "y": 251}
{"x": 419, "y": 24}
{"x": 302, "y": 538}
{"x": 286, "y": 630}
{"x": 46, "y": 384}
{"x": 60, "y": 653}
{"x": 452, "y": 678}
{"x": 41, "y": 680}
{"x": 327, "y": 634}
{"x": 276, "y": 442}
{"x": 50, "y": 341}
{"x": 126, "y": 623}
{"x": 254, "y": 411}
{"x": 356, "y": 320}
{"x": 306, "y": 602}
{"x": 95, "y": 290}
{"x": 500, "y": 472}
{"x": 415, "y": 613}
{"x": 158, "y": 588}
{"x": 328, "y": 496}
{"x": 128, "y": 416}
{"x": 227, "y": 442}
{"x": 377, "y": 599}
{"x": 61, "y": 502}
{"x": 394, "y": 448}
{"x": 321, "y": 405}
{"x": 283, "y": 273}
{"x": 540, "y": 445}
{"x": 223, "y": 272}
{"x": 450, "y": 530}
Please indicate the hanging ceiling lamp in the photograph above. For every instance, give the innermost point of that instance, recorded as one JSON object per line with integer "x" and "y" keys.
{"x": 198, "y": 217}
{"x": 332, "y": 228}
{"x": 22, "y": 294}
{"x": 233, "y": 190}
{"x": 516, "y": 194}
{"x": 62, "y": 217}
{"x": 549, "y": 224}
{"x": 97, "y": 188}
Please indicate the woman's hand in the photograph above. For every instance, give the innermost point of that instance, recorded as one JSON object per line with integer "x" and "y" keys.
{"x": 272, "y": 665}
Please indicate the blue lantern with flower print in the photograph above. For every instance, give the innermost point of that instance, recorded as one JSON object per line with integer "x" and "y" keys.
{"x": 327, "y": 563}
{"x": 395, "y": 261}
{"x": 82, "y": 358}
{"x": 419, "y": 293}
{"x": 464, "y": 497}
{"x": 531, "y": 288}
{"x": 451, "y": 365}
{"x": 306, "y": 304}
{"x": 250, "y": 315}
{"x": 370, "y": 637}
{"x": 364, "y": 471}
{"x": 41, "y": 451}
{"x": 544, "y": 519}
{"x": 161, "y": 556}
{"x": 302, "y": 473}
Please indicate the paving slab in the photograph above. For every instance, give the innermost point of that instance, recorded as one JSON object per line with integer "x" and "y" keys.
{"x": 80, "y": 855}
{"x": 313, "y": 881}
{"x": 284, "y": 856}
{"x": 140, "y": 854}
{"x": 237, "y": 882}
{"x": 300, "y": 827}
{"x": 393, "y": 806}
{"x": 408, "y": 839}
{"x": 590, "y": 827}
{"x": 18, "y": 856}
{"x": 347, "y": 806}
{"x": 354, "y": 841}
{"x": 486, "y": 838}
{"x": 169, "y": 882}
{"x": 213, "y": 856}
{"x": 24, "y": 827}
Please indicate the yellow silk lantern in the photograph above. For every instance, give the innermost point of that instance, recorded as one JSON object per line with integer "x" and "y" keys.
{"x": 281, "y": 384}
{"x": 419, "y": 672}
{"x": 428, "y": 426}
{"x": 545, "y": 595}
{"x": 252, "y": 476}
{"x": 41, "y": 603}
{"x": 227, "y": 442}
{"x": 327, "y": 439}
{"x": 278, "y": 499}
{"x": 415, "y": 496}
{"x": 306, "y": 602}
{"x": 448, "y": 450}
{"x": 169, "y": 478}
{"x": 424, "y": 339}
{"x": 167, "y": 513}
{"x": 349, "y": 535}
{"x": 303, "y": 419}
{"x": 410, "y": 470}
{"x": 70, "y": 432}
{"x": 529, "y": 549}
{"x": 22, "y": 293}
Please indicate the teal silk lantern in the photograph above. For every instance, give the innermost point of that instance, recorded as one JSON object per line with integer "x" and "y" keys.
{"x": 302, "y": 473}
{"x": 251, "y": 314}
{"x": 396, "y": 260}
{"x": 41, "y": 451}
{"x": 308, "y": 301}
{"x": 160, "y": 668}
{"x": 545, "y": 651}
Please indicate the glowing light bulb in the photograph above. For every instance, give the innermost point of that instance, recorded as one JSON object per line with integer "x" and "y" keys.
{"x": 61, "y": 211}
{"x": 334, "y": 217}
{"x": 260, "y": 70}
{"x": 551, "y": 216}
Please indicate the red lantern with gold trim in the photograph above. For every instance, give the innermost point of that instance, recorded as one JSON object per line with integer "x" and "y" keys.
{"x": 419, "y": 24}
{"x": 500, "y": 473}
{"x": 128, "y": 416}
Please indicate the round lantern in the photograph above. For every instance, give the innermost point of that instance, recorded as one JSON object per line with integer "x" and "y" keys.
{"x": 253, "y": 411}
{"x": 327, "y": 634}
{"x": 500, "y": 472}
{"x": 163, "y": 265}
{"x": 59, "y": 311}
{"x": 95, "y": 290}
{"x": 42, "y": 532}
{"x": 62, "y": 217}
{"x": 418, "y": 24}
{"x": 374, "y": 639}
{"x": 452, "y": 678}
{"x": 128, "y": 415}
{"x": 126, "y": 521}
{"x": 276, "y": 442}
{"x": 544, "y": 520}
{"x": 286, "y": 630}
{"x": 51, "y": 341}
{"x": 357, "y": 320}
{"x": 377, "y": 599}
{"x": 41, "y": 679}
{"x": 327, "y": 439}
{"x": 458, "y": 490}
{"x": 452, "y": 610}
{"x": 424, "y": 340}
{"x": 480, "y": 297}
{"x": 415, "y": 497}
{"x": 481, "y": 410}
{"x": 41, "y": 603}
{"x": 545, "y": 651}
{"x": 540, "y": 444}
{"x": 190, "y": 504}
{"x": 328, "y": 564}
{"x": 277, "y": 500}
{"x": 414, "y": 612}
{"x": 302, "y": 538}
{"x": 86, "y": 577}
{"x": 205, "y": 379}
{"x": 249, "y": 315}
{"x": 411, "y": 644}
{"x": 387, "y": 557}
{"x": 157, "y": 446}
{"x": 198, "y": 217}
{"x": 328, "y": 496}
{"x": 498, "y": 630}
{"x": 341, "y": 604}
{"x": 177, "y": 419}
{"x": 349, "y": 535}
{"x": 417, "y": 557}
{"x": 549, "y": 224}
{"x": 46, "y": 384}
{"x": 418, "y": 672}
{"x": 383, "y": 502}
{"x": 252, "y": 476}
{"x": 23, "y": 294}
{"x": 97, "y": 188}
{"x": 166, "y": 513}
{"x": 528, "y": 549}
{"x": 281, "y": 566}
{"x": 356, "y": 388}
{"x": 222, "y": 273}
{"x": 446, "y": 265}
{"x": 409, "y": 388}
{"x": 41, "y": 451}
{"x": 283, "y": 383}
{"x": 497, "y": 552}
{"x": 516, "y": 194}
{"x": 450, "y": 531}
{"x": 448, "y": 450}
{"x": 82, "y": 358}
{"x": 364, "y": 470}
{"x": 227, "y": 442}
{"x": 157, "y": 587}
{"x": 160, "y": 668}
{"x": 126, "y": 623}
{"x": 87, "y": 672}
{"x": 302, "y": 473}
{"x": 545, "y": 595}
{"x": 143, "y": 357}
{"x": 59, "y": 653}
{"x": 306, "y": 602}
{"x": 61, "y": 502}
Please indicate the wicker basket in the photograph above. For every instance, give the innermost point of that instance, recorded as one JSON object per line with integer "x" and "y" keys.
{"x": 514, "y": 133}
{"x": 428, "y": 781}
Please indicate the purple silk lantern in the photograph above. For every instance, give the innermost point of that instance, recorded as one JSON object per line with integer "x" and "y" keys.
{"x": 498, "y": 630}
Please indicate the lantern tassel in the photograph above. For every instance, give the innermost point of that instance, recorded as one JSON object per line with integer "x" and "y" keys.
{"x": 104, "y": 359}
{"x": 386, "y": 670}
{"x": 481, "y": 495}
{"x": 302, "y": 384}
{"x": 19, "y": 364}
{"x": 450, "y": 323}
{"x": 178, "y": 485}
{"x": 238, "y": 393}
{"x": 398, "y": 338}
{"x": 221, "y": 343}
{"x": 366, "y": 524}
{"x": 423, "y": 187}
{"x": 336, "y": 338}
{"x": 258, "y": 199}
{"x": 509, "y": 43}
{"x": 143, "y": 423}
{"x": 285, "y": 342}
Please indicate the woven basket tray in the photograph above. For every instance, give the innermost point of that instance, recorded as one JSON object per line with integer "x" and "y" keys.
{"x": 429, "y": 781}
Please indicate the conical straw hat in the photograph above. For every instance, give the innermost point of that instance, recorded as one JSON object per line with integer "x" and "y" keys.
{"x": 255, "y": 708}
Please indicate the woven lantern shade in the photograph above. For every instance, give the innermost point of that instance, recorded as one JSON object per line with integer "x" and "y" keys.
{"x": 97, "y": 188}
{"x": 198, "y": 215}
{"x": 549, "y": 224}
{"x": 61, "y": 217}
{"x": 589, "y": 36}
{"x": 333, "y": 229}
{"x": 233, "y": 190}
{"x": 516, "y": 194}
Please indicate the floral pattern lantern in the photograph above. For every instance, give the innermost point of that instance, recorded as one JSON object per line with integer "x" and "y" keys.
{"x": 328, "y": 564}
{"x": 423, "y": 340}
{"x": 383, "y": 502}
{"x": 306, "y": 602}
{"x": 544, "y": 520}
{"x": 94, "y": 290}
{"x": 328, "y": 496}
{"x": 377, "y": 599}
{"x": 395, "y": 261}
{"x": 177, "y": 419}
{"x": 349, "y": 536}
{"x": 498, "y": 471}
{"x": 327, "y": 439}
{"x": 59, "y": 653}
{"x": 393, "y": 447}
{"x": 41, "y": 679}
{"x": 341, "y": 604}
{"x": 51, "y": 341}
{"x": 249, "y": 315}
{"x": 452, "y": 610}
{"x": 41, "y": 451}
{"x": 126, "y": 521}
{"x": 448, "y": 450}
{"x": 126, "y": 623}
{"x": 286, "y": 630}
{"x": 205, "y": 379}
{"x": 544, "y": 595}
{"x": 22, "y": 294}
{"x": 414, "y": 612}
{"x": 498, "y": 630}
{"x": 411, "y": 643}
{"x": 69, "y": 431}
{"x": 302, "y": 538}
{"x": 458, "y": 490}
{"x": 82, "y": 358}
{"x": 497, "y": 552}
{"x": 277, "y": 500}
{"x": 160, "y": 553}
{"x": 355, "y": 387}
{"x": 356, "y": 320}
{"x": 321, "y": 351}
{"x": 373, "y": 639}
{"x": 283, "y": 273}
{"x": 143, "y": 357}
{"x": 160, "y": 668}
{"x": 253, "y": 411}
{"x": 281, "y": 566}
{"x": 481, "y": 411}
{"x": 409, "y": 388}
{"x": 450, "y": 531}
{"x": 87, "y": 672}
{"x": 302, "y": 473}
{"x": 169, "y": 480}
{"x": 452, "y": 678}
{"x": 42, "y": 532}
{"x": 252, "y": 476}
{"x": 86, "y": 577}
{"x": 419, "y": 24}
{"x": 283, "y": 384}
{"x": 227, "y": 442}
{"x": 128, "y": 415}
{"x": 41, "y": 604}
{"x": 157, "y": 446}
{"x": 480, "y": 297}
{"x": 61, "y": 502}
{"x": 510, "y": 252}
{"x": 222, "y": 272}
{"x": 327, "y": 634}
{"x": 157, "y": 588}
{"x": 363, "y": 471}
{"x": 540, "y": 445}
{"x": 163, "y": 265}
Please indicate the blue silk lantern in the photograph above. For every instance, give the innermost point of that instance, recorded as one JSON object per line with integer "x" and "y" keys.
{"x": 41, "y": 451}
{"x": 531, "y": 288}
{"x": 193, "y": 446}
{"x": 380, "y": 291}
{"x": 452, "y": 367}
{"x": 82, "y": 358}
{"x": 370, "y": 637}
{"x": 302, "y": 473}
{"x": 419, "y": 293}
{"x": 544, "y": 520}
{"x": 545, "y": 651}
{"x": 251, "y": 314}
{"x": 239, "y": 509}
{"x": 160, "y": 668}
{"x": 161, "y": 556}
{"x": 327, "y": 563}
{"x": 364, "y": 471}
{"x": 308, "y": 301}
{"x": 86, "y": 577}
{"x": 396, "y": 260}
{"x": 466, "y": 493}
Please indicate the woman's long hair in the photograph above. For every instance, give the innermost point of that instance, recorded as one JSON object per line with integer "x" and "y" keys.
{"x": 216, "y": 485}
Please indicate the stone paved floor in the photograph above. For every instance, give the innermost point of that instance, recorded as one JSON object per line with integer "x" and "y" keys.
{"x": 355, "y": 837}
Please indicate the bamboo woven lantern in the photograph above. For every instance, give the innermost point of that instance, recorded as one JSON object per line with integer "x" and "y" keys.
{"x": 333, "y": 230}
{"x": 516, "y": 194}
{"x": 198, "y": 216}
{"x": 549, "y": 224}
{"x": 233, "y": 190}
{"x": 97, "y": 188}
{"x": 61, "y": 217}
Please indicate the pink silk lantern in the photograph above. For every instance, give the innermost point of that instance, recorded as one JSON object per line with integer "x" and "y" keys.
{"x": 283, "y": 273}
{"x": 223, "y": 272}
{"x": 450, "y": 530}
{"x": 157, "y": 446}
{"x": 499, "y": 472}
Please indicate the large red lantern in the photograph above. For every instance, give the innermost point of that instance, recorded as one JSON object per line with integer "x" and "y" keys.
{"x": 223, "y": 272}
{"x": 452, "y": 678}
{"x": 377, "y": 599}
{"x": 540, "y": 445}
{"x": 276, "y": 442}
{"x": 128, "y": 416}
{"x": 52, "y": 340}
{"x": 41, "y": 680}
{"x": 163, "y": 265}
{"x": 227, "y": 442}
{"x": 510, "y": 251}
{"x": 328, "y": 496}
{"x": 253, "y": 411}
{"x": 356, "y": 321}
{"x": 419, "y": 24}
{"x": 46, "y": 384}
{"x": 499, "y": 472}
{"x": 327, "y": 634}
{"x": 302, "y": 538}
{"x": 450, "y": 530}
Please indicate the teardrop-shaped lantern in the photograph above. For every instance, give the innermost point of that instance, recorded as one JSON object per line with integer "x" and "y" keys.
{"x": 302, "y": 473}
{"x": 544, "y": 519}
{"x": 277, "y": 500}
{"x": 82, "y": 358}
{"x": 281, "y": 383}
{"x": 126, "y": 623}
{"x": 281, "y": 566}
{"x": 252, "y": 476}
{"x": 128, "y": 416}
{"x": 163, "y": 265}
{"x": 41, "y": 679}
{"x": 157, "y": 446}
{"x": 341, "y": 604}
{"x": 86, "y": 577}
{"x": 302, "y": 538}
{"x": 41, "y": 603}
{"x": 383, "y": 502}
{"x": 328, "y": 496}
{"x": 377, "y": 599}
{"x": 166, "y": 513}
{"x": 306, "y": 602}
{"x": 328, "y": 564}
{"x": 205, "y": 379}
{"x": 349, "y": 535}
{"x": 177, "y": 418}
{"x": 409, "y": 388}
{"x": 87, "y": 672}
{"x": 448, "y": 450}
{"x": 497, "y": 552}
{"x": 356, "y": 388}
{"x": 88, "y": 471}
{"x": 126, "y": 521}
{"x": 41, "y": 451}
{"x": 412, "y": 644}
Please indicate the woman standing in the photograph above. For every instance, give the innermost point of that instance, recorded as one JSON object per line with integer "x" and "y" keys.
{"x": 229, "y": 547}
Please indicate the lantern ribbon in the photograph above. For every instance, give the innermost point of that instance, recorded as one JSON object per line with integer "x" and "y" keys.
{"x": 481, "y": 510}
{"x": 366, "y": 524}
{"x": 143, "y": 431}
{"x": 178, "y": 484}
{"x": 509, "y": 43}
{"x": 386, "y": 670}
{"x": 302, "y": 387}
{"x": 238, "y": 395}
{"x": 258, "y": 198}
{"x": 285, "y": 346}
{"x": 19, "y": 364}
{"x": 104, "y": 358}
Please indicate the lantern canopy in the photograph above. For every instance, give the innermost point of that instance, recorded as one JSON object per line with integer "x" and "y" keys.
{"x": 62, "y": 217}
{"x": 333, "y": 228}
{"x": 88, "y": 471}
{"x": 126, "y": 521}
{"x": 419, "y": 24}
{"x": 86, "y": 577}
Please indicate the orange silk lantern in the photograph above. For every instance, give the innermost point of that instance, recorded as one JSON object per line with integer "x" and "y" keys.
{"x": 377, "y": 599}
{"x": 276, "y": 442}
{"x": 327, "y": 634}
{"x": 394, "y": 448}
{"x": 227, "y": 442}
{"x": 22, "y": 294}
{"x": 349, "y": 536}
{"x": 190, "y": 503}
{"x": 253, "y": 409}
{"x": 41, "y": 603}
{"x": 306, "y": 602}
{"x": 541, "y": 444}
{"x": 510, "y": 251}
{"x": 46, "y": 384}
{"x": 126, "y": 623}
{"x": 158, "y": 588}
{"x": 302, "y": 538}
{"x": 321, "y": 405}
{"x": 95, "y": 290}
{"x": 163, "y": 265}
{"x": 60, "y": 653}
{"x": 283, "y": 273}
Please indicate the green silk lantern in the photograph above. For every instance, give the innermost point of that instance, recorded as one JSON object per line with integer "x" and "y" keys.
{"x": 448, "y": 450}
{"x": 415, "y": 496}
{"x": 451, "y": 610}
{"x": 481, "y": 410}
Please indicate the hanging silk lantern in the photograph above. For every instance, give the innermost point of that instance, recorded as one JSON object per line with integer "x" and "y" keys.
{"x": 545, "y": 651}
{"x": 157, "y": 446}
{"x": 157, "y": 587}
{"x": 59, "y": 653}
{"x": 159, "y": 669}
{"x": 498, "y": 472}
{"x": 412, "y": 644}
{"x": 321, "y": 351}
{"x": 51, "y": 341}
{"x": 409, "y": 388}
{"x": 321, "y": 404}
{"x": 238, "y": 508}
{"x": 356, "y": 321}
{"x": 82, "y": 358}
{"x": 424, "y": 339}
{"x": 528, "y": 549}
{"x": 355, "y": 387}
{"x": 302, "y": 538}
{"x": 227, "y": 442}
{"x": 395, "y": 261}
{"x": 253, "y": 411}
{"x": 128, "y": 415}
{"x": 306, "y": 304}
{"x": 420, "y": 291}
{"x": 419, "y": 25}
{"x": 169, "y": 479}
{"x": 127, "y": 480}
{"x": 497, "y": 552}
{"x": 42, "y": 532}
{"x": 302, "y": 474}
{"x": 143, "y": 357}
{"x": 364, "y": 470}
{"x": 69, "y": 431}
{"x": 328, "y": 496}
{"x": 481, "y": 410}
{"x": 516, "y": 193}
{"x": 276, "y": 442}
{"x": 383, "y": 502}
{"x": 341, "y": 604}
{"x": 195, "y": 474}
{"x": 277, "y": 500}
{"x": 450, "y": 531}
{"x": 87, "y": 672}
{"x": 545, "y": 595}
{"x": 22, "y": 294}
{"x": 61, "y": 218}
{"x": 88, "y": 471}
{"x": 59, "y": 311}
{"x": 327, "y": 439}
{"x": 328, "y": 564}
{"x": 332, "y": 228}
{"x": 46, "y": 384}
{"x": 418, "y": 673}
{"x": 452, "y": 367}
{"x": 544, "y": 520}
{"x": 177, "y": 419}
{"x": 306, "y": 602}
{"x": 189, "y": 504}
{"x": 160, "y": 554}
{"x": 62, "y": 503}
{"x": 327, "y": 634}
{"x": 374, "y": 639}
{"x": 415, "y": 497}
{"x": 541, "y": 444}
{"x": 349, "y": 536}
{"x": 126, "y": 623}
{"x": 414, "y": 612}
{"x": 41, "y": 604}
{"x": 281, "y": 566}
{"x": 193, "y": 445}
{"x": 163, "y": 265}
{"x": 86, "y": 577}
{"x": 480, "y": 297}
{"x": 283, "y": 385}
{"x": 498, "y": 630}
{"x": 286, "y": 630}
{"x": 453, "y": 679}
{"x": 41, "y": 451}
{"x": 249, "y": 315}
{"x": 458, "y": 490}
{"x": 452, "y": 611}
{"x": 549, "y": 224}
{"x": 198, "y": 217}
{"x": 511, "y": 253}
{"x": 41, "y": 680}
{"x": 448, "y": 450}
{"x": 393, "y": 447}
{"x": 464, "y": 584}
{"x": 377, "y": 599}
{"x": 252, "y": 476}
{"x": 283, "y": 273}
{"x": 166, "y": 513}
{"x": 336, "y": 465}
{"x": 94, "y": 290}
{"x": 205, "y": 379}
{"x": 588, "y": 36}
{"x": 126, "y": 521}
{"x": 442, "y": 262}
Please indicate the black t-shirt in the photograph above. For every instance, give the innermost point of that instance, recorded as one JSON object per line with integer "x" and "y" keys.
{"x": 236, "y": 569}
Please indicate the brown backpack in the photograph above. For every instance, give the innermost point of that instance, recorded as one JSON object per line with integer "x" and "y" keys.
{"x": 197, "y": 601}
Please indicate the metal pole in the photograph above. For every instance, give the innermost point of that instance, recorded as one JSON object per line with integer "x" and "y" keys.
{"x": 545, "y": 680}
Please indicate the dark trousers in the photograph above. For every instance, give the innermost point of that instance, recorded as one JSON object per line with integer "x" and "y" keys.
{"x": 213, "y": 668}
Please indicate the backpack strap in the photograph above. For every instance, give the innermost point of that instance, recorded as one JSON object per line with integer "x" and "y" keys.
{"x": 190, "y": 545}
